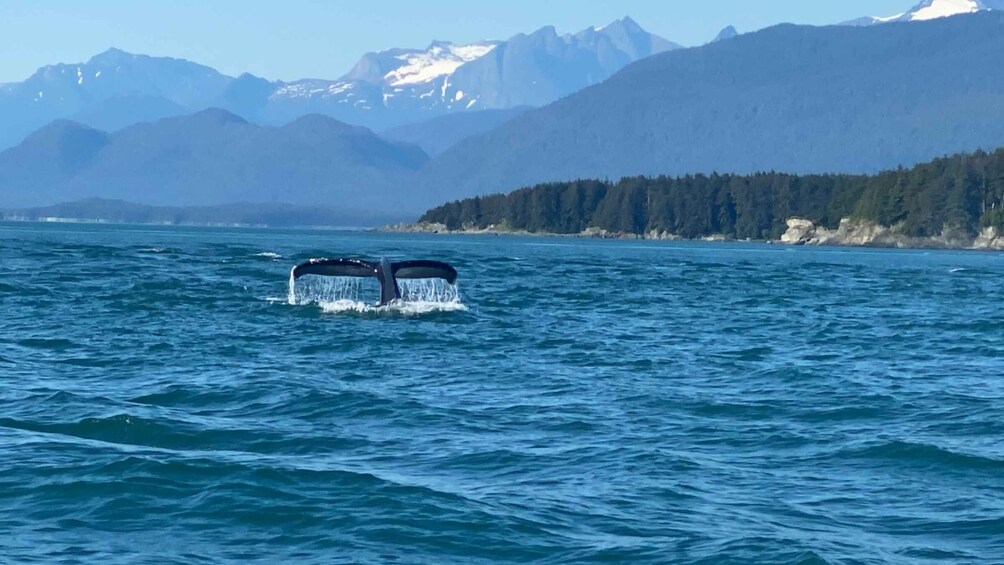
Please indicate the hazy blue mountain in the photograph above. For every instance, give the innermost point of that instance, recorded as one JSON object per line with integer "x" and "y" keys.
{"x": 728, "y": 33}
{"x": 209, "y": 158}
{"x": 932, "y": 9}
{"x": 67, "y": 90}
{"x": 402, "y": 86}
{"x": 536, "y": 69}
{"x": 31, "y": 172}
{"x": 439, "y": 134}
{"x": 789, "y": 98}
{"x": 248, "y": 96}
{"x": 117, "y": 112}
{"x": 383, "y": 90}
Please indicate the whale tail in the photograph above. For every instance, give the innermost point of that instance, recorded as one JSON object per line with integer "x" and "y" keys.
{"x": 424, "y": 270}
{"x": 386, "y": 272}
{"x": 336, "y": 268}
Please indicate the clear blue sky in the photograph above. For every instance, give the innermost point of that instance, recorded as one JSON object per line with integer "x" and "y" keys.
{"x": 290, "y": 39}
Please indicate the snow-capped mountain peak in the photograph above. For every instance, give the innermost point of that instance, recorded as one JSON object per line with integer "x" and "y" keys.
{"x": 440, "y": 59}
{"x": 934, "y": 9}
{"x": 384, "y": 89}
{"x": 412, "y": 67}
{"x": 447, "y": 77}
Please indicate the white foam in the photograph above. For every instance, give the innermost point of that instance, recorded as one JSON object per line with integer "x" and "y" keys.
{"x": 346, "y": 294}
{"x": 268, "y": 254}
{"x": 397, "y": 307}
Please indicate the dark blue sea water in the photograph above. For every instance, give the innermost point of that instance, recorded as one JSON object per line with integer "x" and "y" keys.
{"x": 161, "y": 402}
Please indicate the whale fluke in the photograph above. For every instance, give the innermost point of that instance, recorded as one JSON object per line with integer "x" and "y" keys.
{"x": 384, "y": 271}
{"x": 424, "y": 270}
{"x": 336, "y": 268}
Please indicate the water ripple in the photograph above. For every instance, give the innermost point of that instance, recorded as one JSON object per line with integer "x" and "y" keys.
{"x": 585, "y": 401}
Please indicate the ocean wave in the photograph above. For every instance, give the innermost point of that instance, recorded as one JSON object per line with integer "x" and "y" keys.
{"x": 708, "y": 406}
{"x": 925, "y": 454}
{"x": 51, "y": 344}
{"x": 129, "y": 430}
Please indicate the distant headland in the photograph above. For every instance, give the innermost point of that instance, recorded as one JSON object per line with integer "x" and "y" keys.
{"x": 951, "y": 202}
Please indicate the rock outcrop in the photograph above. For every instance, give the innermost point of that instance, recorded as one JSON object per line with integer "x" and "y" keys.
{"x": 864, "y": 233}
{"x": 800, "y": 232}
{"x": 422, "y": 227}
{"x": 989, "y": 238}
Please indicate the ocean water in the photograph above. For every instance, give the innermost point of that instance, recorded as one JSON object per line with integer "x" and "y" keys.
{"x": 161, "y": 401}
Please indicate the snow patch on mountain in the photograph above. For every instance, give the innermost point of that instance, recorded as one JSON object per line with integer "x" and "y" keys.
{"x": 930, "y": 10}
{"x": 881, "y": 20}
{"x": 439, "y": 60}
{"x": 934, "y": 9}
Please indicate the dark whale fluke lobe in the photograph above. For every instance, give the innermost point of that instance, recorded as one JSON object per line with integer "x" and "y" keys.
{"x": 384, "y": 271}
{"x": 424, "y": 270}
{"x": 336, "y": 268}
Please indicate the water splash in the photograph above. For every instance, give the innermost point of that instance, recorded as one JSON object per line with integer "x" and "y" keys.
{"x": 317, "y": 290}
{"x": 349, "y": 294}
{"x": 396, "y": 307}
{"x": 428, "y": 290}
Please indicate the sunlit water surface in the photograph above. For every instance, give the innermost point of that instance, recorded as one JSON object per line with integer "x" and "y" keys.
{"x": 162, "y": 401}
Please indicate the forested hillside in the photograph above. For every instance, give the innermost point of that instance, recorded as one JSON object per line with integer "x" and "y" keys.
{"x": 963, "y": 192}
{"x": 789, "y": 98}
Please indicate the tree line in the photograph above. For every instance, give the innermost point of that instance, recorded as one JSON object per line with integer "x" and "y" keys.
{"x": 961, "y": 192}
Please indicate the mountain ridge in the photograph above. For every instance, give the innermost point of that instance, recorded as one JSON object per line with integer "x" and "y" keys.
{"x": 384, "y": 89}
{"x": 212, "y": 157}
{"x": 908, "y": 92}
{"x": 793, "y": 98}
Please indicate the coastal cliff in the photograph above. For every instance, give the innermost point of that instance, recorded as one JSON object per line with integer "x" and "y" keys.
{"x": 865, "y": 233}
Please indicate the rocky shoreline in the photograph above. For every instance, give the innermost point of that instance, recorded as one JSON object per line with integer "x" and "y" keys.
{"x": 860, "y": 233}
{"x": 850, "y": 233}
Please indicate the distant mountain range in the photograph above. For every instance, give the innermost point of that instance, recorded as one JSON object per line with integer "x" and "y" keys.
{"x": 210, "y": 158}
{"x": 790, "y": 98}
{"x": 391, "y": 88}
